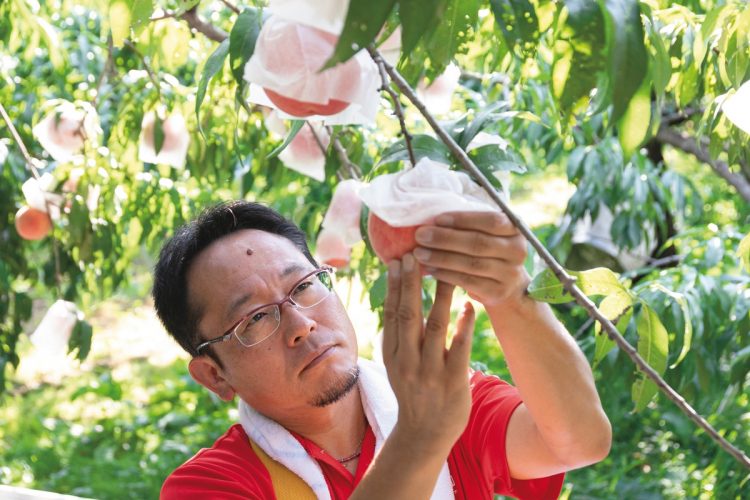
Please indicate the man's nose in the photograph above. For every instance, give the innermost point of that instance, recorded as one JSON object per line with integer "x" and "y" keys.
{"x": 298, "y": 323}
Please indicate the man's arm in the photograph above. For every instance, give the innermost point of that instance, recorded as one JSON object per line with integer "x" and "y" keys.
{"x": 561, "y": 424}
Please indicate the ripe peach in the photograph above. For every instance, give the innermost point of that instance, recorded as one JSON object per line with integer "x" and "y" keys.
{"x": 32, "y": 224}
{"x": 390, "y": 242}
{"x": 304, "y": 109}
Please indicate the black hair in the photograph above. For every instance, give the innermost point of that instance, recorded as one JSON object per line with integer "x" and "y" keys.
{"x": 170, "y": 290}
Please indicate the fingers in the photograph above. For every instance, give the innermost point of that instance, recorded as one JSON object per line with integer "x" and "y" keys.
{"x": 409, "y": 310}
{"x": 457, "y": 360}
{"x": 390, "y": 318}
{"x": 494, "y": 223}
{"x": 470, "y": 264}
{"x": 471, "y": 242}
{"x": 487, "y": 290}
{"x": 433, "y": 345}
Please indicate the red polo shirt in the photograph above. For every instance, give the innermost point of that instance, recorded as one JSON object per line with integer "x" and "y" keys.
{"x": 478, "y": 465}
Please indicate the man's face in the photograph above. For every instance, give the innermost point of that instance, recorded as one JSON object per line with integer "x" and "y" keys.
{"x": 312, "y": 355}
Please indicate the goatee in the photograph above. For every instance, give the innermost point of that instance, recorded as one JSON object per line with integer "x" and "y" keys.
{"x": 340, "y": 388}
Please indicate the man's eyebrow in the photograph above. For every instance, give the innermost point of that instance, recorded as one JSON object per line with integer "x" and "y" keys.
{"x": 245, "y": 297}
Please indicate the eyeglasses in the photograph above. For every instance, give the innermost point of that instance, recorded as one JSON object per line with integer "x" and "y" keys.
{"x": 262, "y": 322}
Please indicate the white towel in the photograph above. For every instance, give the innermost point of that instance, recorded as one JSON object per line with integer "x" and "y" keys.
{"x": 381, "y": 409}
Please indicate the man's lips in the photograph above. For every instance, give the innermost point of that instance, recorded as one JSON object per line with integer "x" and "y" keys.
{"x": 318, "y": 356}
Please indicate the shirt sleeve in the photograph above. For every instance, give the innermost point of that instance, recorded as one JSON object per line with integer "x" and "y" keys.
{"x": 493, "y": 403}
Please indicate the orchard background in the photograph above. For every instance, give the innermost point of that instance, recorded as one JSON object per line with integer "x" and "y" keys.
{"x": 619, "y": 128}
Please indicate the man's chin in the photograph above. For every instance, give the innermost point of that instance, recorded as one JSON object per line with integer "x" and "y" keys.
{"x": 339, "y": 387}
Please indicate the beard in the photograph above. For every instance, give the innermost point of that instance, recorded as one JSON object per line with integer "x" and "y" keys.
{"x": 339, "y": 388}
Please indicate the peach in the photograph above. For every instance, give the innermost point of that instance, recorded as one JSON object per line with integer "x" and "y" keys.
{"x": 304, "y": 109}
{"x": 390, "y": 242}
{"x": 32, "y": 224}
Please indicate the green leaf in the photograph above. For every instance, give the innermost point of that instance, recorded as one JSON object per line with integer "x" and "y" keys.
{"x": 452, "y": 32}
{"x": 518, "y": 22}
{"x": 377, "y": 291}
{"x": 185, "y": 5}
{"x": 545, "y": 287}
{"x": 740, "y": 366}
{"x": 214, "y": 63}
{"x": 242, "y": 40}
{"x": 743, "y": 251}
{"x": 80, "y": 339}
{"x": 618, "y": 309}
{"x": 492, "y": 157}
{"x": 653, "y": 347}
{"x": 628, "y": 59}
{"x": 424, "y": 146}
{"x": 126, "y": 18}
{"x": 484, "y": 118}
{"x": 687, "y": 336}
{"x": 158, "y": 133}
{"x": 141, "y": 13}
{"x": 296, "y": 126}
{"x": 599, "y": 281}
{"x": 633, "y": 127}
{"x": 417, "y": 17}
{"x": 579, "y": 53}
{"x": 363, "y": 22}
{"x": 119, "y": 21}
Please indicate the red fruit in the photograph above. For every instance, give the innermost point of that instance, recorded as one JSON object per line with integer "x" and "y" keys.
{"x": 304, "y": 109}
{"x": 390, "y": 242}
{"x": 32, "y": 224}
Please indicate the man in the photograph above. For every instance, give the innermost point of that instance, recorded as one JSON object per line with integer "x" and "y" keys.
{"x": 239, "y": 290}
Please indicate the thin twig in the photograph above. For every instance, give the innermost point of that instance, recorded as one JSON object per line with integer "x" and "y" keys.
{"x": 162, "y": 16}
{"x": 386, "y": 87}
{"x": 354, "y": 171}
{"x": 209, "y": 30}
{"x": 567, "y": 281}
{"x": 322, "y": 147}
{"x": 146, "y": 66}
{"x": 35, "y": 173}
{"x": 105, "y": 70}
{"x": 231, "y": 6}
{"x": 687, "y": 144}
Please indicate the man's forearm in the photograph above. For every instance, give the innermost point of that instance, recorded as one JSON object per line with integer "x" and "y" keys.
{"x": 554, "y": 379}
{"x": 402, "y": 470}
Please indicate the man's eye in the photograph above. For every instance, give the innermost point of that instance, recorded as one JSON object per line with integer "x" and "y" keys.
{"x": 302, "y": 287}
{"x": 256, "y": 317}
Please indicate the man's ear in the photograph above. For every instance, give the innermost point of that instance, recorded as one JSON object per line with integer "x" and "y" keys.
{"x": 209, "y": 374}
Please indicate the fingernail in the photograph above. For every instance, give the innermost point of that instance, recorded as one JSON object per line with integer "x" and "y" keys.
{"x": 444, "y": 220}
{"x": 394, "y": 268}
{"x": 424, "y": 235}
{"x": 408, "y": 261}
{"x": 422, "y": 254}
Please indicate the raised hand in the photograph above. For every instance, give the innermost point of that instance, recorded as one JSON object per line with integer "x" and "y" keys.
{"x": 430, "y": 381}
{"x": 481, "y": 252}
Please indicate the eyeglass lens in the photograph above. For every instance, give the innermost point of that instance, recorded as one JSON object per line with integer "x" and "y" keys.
{"x": 264, "y": 322}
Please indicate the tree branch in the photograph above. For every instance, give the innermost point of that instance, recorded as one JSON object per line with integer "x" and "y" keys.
{"x": 208, "y": 29}
{"x": 386, "y": 87}
{"x": 354, "y": 170}
{"x": 689, "y": 145}
{"x": 567, "y": 281}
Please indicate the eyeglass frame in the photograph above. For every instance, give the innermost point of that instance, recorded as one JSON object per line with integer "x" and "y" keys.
{"x": 288, "y": 298}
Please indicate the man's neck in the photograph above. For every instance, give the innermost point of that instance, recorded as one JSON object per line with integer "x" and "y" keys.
{"x": 337, "y": 428}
